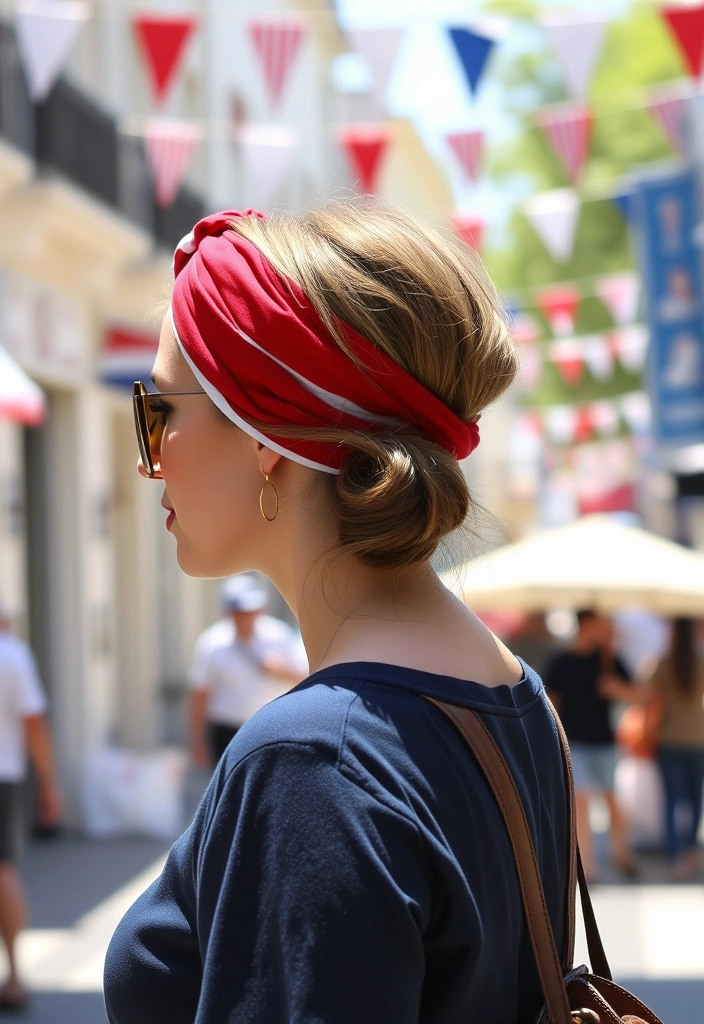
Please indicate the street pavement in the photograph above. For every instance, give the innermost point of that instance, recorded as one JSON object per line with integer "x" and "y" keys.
{"x": 653, "y": 931}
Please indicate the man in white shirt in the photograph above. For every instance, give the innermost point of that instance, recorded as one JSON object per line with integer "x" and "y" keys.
{"x": 23, "y": 730}
{"x": 239, "y": 664}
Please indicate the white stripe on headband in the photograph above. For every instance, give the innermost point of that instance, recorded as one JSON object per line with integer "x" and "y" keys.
{"x": 226, "y": 409}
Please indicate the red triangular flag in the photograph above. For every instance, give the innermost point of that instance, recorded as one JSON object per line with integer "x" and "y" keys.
{"x": 277, "y": 42}
{"x": 584, "y": 426}
{"x": 568, "y": 130}
{"x": 568, "y": 358}
{"x": 163, "y": 40}
{"x": 468, "y": 147}
{"x": 559, "y": 303}
{"x": 687, "y": 26}
{"x": 470, "y": 229}
{"x": 365, "y": 146}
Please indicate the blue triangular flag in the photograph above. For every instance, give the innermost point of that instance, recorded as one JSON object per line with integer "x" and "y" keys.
{"x": 624, "y": 201}
{"x": 472, "y": 50}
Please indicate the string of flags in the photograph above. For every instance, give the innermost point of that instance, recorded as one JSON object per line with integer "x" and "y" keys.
{"x": 46, "y": 30}
{"x": 567, "y": 425}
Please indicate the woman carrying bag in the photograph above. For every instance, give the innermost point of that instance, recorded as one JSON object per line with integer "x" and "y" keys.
{"x": 318, "y": 380}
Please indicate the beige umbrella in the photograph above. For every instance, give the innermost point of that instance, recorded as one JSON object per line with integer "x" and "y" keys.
{"x": 595, "y": 562}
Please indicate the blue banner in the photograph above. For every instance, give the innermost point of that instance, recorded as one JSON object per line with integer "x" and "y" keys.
{"x": 666, "y": 210}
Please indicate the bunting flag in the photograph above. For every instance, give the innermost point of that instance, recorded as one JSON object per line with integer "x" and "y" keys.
{"x": 604, "y": 415}
{"x": 473, "y": 51}
{"x": 598, "y": 356}
{"x": 584, "y": 426}
{"x": 619, "y": 293}
{"x": 267, "y": 151}
{"x": 687, "y": 27}
{"x": 559, "y": 303}
{"x": 468, "y": 147}
{"x": 577, "y": 42}
{"x": 525, "y": 328}
{"x": 568, "y": 130}
{"x": 365, "y": 146}
{"x": 566, "y": 354}
{"x": 554, "y": 217}
{"x": 560, "y": 423}
{"x": 163, "y": 42}
{"x": 45, "y": 31}
{"x": 470, "y": 229}
{"x": 631, "y": 345}
{"x": 669, "y": 112}
{"x": 379, "y": 47}
{"x": 636, "y": 411}
{"x": 277, "y": 42}
{"x": 169, "y": 146}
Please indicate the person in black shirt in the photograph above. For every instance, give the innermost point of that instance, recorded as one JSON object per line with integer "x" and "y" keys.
{"x": 582, "y": 682}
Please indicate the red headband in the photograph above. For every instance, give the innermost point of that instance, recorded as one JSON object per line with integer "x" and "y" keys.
{"x": 262, "y": 353}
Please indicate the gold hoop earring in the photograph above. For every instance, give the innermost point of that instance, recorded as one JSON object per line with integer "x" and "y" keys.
{"x": 269, "y": 519}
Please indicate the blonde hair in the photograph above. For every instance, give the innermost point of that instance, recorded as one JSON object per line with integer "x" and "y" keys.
{"x": 427, "y": 301}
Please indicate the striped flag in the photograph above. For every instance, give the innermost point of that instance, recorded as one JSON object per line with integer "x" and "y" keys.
{"x": 127, "y": 355}
{"x": 568, "y": 130}
{"x": 169, "y": 145}
{"x": 277, "y": 42}
{"x": 468, "y": 147}
{"x": 668, "y": 111}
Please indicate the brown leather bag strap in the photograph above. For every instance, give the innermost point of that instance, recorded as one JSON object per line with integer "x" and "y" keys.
{"x": 572, "y": 849}
{"x": 597, "y": 955}
{"x": 498, "y": 776}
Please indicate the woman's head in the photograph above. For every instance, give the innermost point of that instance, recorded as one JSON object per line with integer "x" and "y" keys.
{"x": 439, "y": 355}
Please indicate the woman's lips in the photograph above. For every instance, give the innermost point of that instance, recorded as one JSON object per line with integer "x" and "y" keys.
{"x": 170, "y": 518}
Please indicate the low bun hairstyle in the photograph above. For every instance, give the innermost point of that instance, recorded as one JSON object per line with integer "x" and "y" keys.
{"x": 426, "y": 300}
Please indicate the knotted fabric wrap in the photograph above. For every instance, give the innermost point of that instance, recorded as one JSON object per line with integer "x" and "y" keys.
{"x": 261, "y": 352}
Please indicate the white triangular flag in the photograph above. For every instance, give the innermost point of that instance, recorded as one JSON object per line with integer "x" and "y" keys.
{"x": 45, "y": 31}
{"x": 554, "y": 217}
{"x": 560, "y": 422}
{"x": 619, "y": 293}
{"x": 379, "y": 47}
{"x": 604, "y": 416}
{"x": 267, "y": 150}
{"x": 577, "y": 41}
{"x": 598, "y": 356}
{"x": 631, "y": 344}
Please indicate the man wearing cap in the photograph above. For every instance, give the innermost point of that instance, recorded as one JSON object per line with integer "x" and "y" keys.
{"x": 239, "y": 664}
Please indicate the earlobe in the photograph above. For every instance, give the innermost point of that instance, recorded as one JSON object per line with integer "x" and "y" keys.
{"x": 266, "y": 458}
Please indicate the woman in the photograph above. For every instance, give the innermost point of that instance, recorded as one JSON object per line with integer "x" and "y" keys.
{"x": 320, "y": 378}
{"x": 677, "y": 685}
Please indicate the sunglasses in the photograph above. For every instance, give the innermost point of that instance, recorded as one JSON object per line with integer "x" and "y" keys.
{"x": 149, "y": 421}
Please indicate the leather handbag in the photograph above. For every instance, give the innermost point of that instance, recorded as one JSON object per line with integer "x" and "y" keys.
{"x": 573, "y": 995}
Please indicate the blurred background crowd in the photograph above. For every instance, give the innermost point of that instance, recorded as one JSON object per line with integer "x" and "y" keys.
{"x": 562, "y": 141}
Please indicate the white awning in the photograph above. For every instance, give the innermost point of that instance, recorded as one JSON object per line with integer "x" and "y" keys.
{"x": 21, "y": 399}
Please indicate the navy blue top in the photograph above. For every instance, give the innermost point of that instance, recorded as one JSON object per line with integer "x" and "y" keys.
{"x": 349, "y": 864}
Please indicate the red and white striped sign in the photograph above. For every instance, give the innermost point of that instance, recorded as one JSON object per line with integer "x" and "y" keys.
{"x": 568, "y": 130}
{"x": 277, "y": 42}
{"x": 470, "y": 229}
{"x": 365, "y": 146}
{"x": 468, "y": 147}
{"x": 169, "y": 145}
{"x": 668, "y": 111}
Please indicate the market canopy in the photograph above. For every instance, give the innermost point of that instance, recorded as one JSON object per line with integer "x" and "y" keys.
{"x": 21, "y": 399}
{"x": 594, "y": 562}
